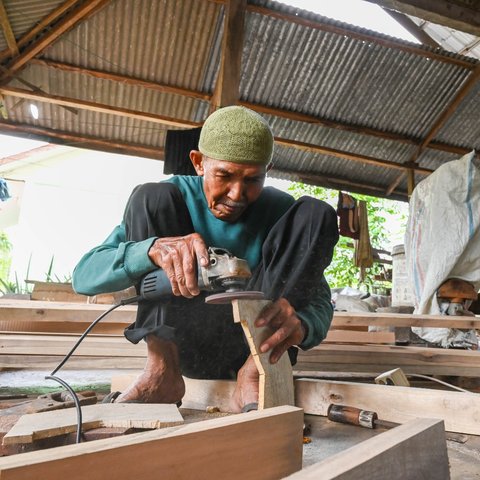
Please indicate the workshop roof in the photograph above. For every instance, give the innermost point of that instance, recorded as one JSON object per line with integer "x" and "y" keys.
{"x": 350, "y": 108}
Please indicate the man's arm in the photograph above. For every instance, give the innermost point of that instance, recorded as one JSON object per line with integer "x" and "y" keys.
{"x": 114, "y": 265}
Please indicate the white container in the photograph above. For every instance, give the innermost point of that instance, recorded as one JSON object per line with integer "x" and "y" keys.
{"x": 402, "y": 295}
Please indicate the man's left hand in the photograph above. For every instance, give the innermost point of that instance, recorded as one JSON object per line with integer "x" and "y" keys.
{"x": 281, "y": 317}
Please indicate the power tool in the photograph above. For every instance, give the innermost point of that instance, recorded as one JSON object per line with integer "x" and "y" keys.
{"x": 225, "y": 273}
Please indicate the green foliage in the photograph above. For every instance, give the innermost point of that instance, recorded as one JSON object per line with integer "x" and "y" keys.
{"x": 51, "y": 277}
{"x": 342, "y": 271}
{"x": 5, "y": 258}
{"x": 11, "y": 287}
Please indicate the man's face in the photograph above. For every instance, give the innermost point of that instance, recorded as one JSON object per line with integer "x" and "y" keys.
{"x": 229, "y": 187}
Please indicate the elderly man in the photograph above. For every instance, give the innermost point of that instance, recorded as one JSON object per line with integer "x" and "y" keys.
{"x": 170, "y": 224}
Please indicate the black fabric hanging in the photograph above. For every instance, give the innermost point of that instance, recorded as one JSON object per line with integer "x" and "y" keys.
{"x": 177, "y": 149}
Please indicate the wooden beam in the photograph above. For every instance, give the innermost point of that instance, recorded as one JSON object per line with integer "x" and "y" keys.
{"x": 40, "y": 26}
{"x": 86, "y": 8}
{"x": 393, "y": 403}
{"x": 335, "y": 183}
{"x": 127, "y": 80}
{"x": 345, "y": 336}
{"x": 266, "y": 444}
{"x": 7, "y": 30}
{"x": 97, "y": 107}
{"x": 381, "y": 358}
{"x": 348, "y": 156}
{"x": 415, "y": 450}
{"x": 364, "y": 36}
{"x": 60, "y": 344}
{"x": 360, "y": 319}
{"x": 80, "y": 141}
{"x": 276, "y": 380}
{"x": 49, "y": 362}
{"x": 408, "y": 24}
{"x": 460, "y": 15}
{"x": 134, "y": 81}
{"x": 227, "y": 88}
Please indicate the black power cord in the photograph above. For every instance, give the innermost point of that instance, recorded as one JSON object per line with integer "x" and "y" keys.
{"x": 52, "y": 376}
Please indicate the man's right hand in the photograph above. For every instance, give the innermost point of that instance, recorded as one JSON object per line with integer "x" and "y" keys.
{"x": 177, "y": 256}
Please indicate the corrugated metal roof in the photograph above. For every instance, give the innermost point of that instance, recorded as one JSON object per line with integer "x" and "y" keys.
{"x": 344, "y": 80}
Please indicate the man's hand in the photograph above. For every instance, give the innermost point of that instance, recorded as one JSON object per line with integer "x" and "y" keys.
{"x": 177, "y": 256}
{"x": 281, "y": 317}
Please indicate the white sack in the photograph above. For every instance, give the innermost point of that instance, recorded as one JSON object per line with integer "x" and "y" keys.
{"x": 442, "y": 239}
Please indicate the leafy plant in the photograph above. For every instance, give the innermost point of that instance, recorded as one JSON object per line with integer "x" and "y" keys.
{"x": 342, "y": 270}
{"x": 50, "y": 277}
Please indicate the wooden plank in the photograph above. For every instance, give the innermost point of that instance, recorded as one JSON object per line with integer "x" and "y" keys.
{"x": 403, "y": 320}
{"x": 36, "y": 426}
{"x": 60, "y": 344}
{"x": 276, "y": 381}
{"x": 412, "y": 451}
{"x": 28, "y": 310}
{"x": 265, "y": 444}
{"x": 345, "y": 336}
{"x": 380, "y": 358}
{"x": 459, "y": 410}
{"x": 49, "y": 362}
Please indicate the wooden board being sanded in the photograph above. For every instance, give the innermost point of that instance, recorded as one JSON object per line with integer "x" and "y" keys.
{"x": 36, "y": 426}
{"x": 276, "y": 380}
{"x": 265, "y": 445}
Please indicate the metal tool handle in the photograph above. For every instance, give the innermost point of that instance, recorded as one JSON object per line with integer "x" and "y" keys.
{"x": 351, "y": 416}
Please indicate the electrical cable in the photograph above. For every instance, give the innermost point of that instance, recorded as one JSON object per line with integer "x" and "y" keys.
{"x": 426, "y": 377}
{"x": 52, "y": 376}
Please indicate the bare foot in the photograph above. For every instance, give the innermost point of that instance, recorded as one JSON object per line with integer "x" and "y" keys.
{"x": 246, "y": 389}
{"x": 161, "y": 380}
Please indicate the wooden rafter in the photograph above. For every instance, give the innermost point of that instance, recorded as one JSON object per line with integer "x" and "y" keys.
{"x": 336, "y": 183}
{"x": 69, "y": 21}
{"x": 409, "y": 25}
{"x": 40, "y": 26}
{"x": 135, "y": 81}
{"x": 80, "y": 141}
{"x": 97, "y": 107}
{"x": 374, "y": 39}
{"x": 228, "y": 83}
{"x": 7, "y": 30}
{"x": 127, "y": 80}
{"x": 463, "y": 15}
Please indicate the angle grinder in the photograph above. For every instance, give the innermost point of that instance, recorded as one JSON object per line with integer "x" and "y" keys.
{"x": 225, "y": 273}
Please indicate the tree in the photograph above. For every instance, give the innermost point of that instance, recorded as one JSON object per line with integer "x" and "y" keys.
{"x": 381, "y": 214}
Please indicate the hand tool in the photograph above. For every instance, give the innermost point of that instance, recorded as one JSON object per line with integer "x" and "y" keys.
{"x": 356, "y": 416}
{"x": 224, "y": 272}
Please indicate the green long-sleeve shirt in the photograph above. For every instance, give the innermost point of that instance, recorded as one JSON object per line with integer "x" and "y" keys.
{"x": 117, "y": 264}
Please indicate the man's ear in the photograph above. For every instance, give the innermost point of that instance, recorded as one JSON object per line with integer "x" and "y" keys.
{"x": 196, "y": 158}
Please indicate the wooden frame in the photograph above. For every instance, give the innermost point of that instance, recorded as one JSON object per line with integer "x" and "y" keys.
{"x": 412, "y": 451}
{"x": 264, "y": 444}
{"x": 393, "y": 403}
